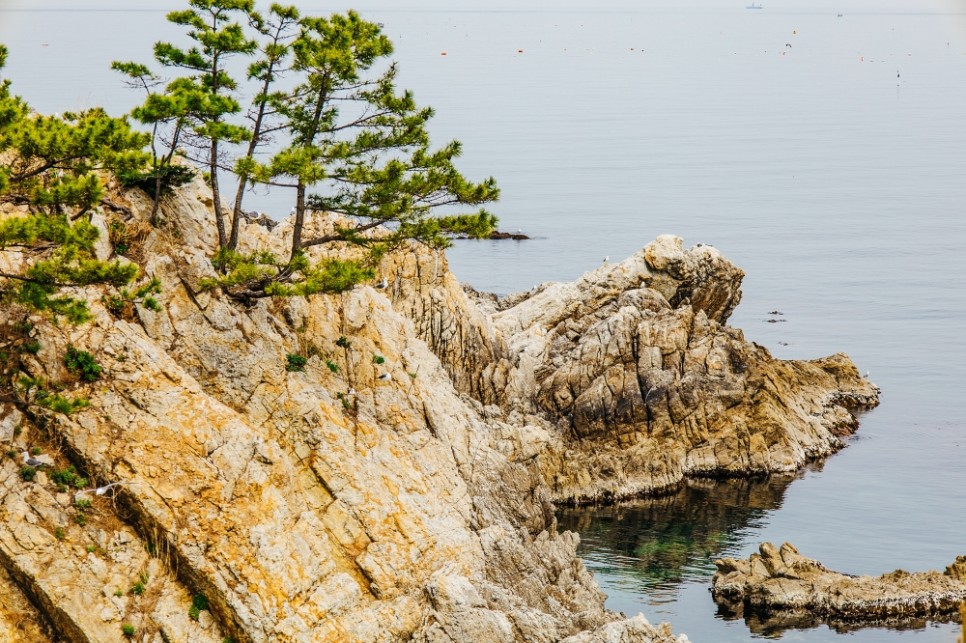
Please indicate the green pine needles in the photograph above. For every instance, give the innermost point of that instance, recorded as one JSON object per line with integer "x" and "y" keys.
{"x": 343, "y": 140}
{"x": 52, "y": 165}
{"x": 317, "y": 113}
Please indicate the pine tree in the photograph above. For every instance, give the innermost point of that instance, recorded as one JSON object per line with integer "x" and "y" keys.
{"x": 167, "y": 112}
{"x": 207, "y": 92}
{"x": 366, "y": 147}
{"x": 276, "y": 32}
{"x": 51, "y": 164}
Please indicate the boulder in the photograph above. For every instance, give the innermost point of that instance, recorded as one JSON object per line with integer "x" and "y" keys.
{"x": 778, "y": 588}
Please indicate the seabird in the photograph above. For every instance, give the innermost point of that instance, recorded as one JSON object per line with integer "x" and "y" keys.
{"x": 32, "y": 462}
{"x": 383, "y": 283}
{"x": 100, "y": 491}
{"x": 607, "y": 258}
{"x": 351, "y": 391}
{"x": 385, "y": 377}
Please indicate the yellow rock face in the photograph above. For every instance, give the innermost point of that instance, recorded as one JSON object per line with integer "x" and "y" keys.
{"x": 399, "y": 487}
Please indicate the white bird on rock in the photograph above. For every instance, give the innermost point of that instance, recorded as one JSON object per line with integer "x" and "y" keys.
{"x": 32, "y": 462}
{"x": 100, "y": 491}
{"x": 385, "y": 377}
{"x": 383, "y": 283}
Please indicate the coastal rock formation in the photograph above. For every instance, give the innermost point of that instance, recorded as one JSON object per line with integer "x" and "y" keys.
{"x": 359, "y": 499}
{"x": 645, "y": 384}
{"x": 778, "y": 588}
{"x": 400, "y": 485}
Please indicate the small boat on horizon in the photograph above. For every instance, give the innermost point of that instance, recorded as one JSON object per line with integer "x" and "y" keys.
{"x": 753, "y": 6}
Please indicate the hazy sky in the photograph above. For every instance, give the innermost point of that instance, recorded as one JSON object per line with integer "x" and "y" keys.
{"x": 931, "y": 6}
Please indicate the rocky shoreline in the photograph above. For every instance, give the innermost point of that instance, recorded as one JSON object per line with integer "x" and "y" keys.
{"x": 778, "y": 588}
{"x": 401, "y": 485}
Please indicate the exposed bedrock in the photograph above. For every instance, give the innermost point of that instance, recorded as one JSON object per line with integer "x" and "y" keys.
{"x": 779, "y": 588}
{"x": 365, "y": 498}
{"x": 400, "y": 487}
{"x": 643, "y": 382}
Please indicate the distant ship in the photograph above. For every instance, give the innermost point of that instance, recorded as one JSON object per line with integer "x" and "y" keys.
{"x": 753, "y": 6}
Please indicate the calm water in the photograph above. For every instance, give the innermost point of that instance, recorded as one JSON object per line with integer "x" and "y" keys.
{"x": 825, "y": 155}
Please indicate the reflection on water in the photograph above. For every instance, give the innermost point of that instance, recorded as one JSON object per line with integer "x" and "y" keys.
{"x": 775, "y": 625}
{"x": 656, "y": 544}
{"x": 663, "y": 550}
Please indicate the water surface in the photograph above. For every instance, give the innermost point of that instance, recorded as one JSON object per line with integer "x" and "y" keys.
{"x": 825, "y": 155}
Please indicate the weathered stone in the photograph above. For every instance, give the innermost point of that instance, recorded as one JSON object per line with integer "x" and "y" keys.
{"x": 400, "y": 498}
{"x": 778, "y": 587}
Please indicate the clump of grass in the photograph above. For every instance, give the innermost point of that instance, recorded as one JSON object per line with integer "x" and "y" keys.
{"x": 332, "y": 366}
{"x": 128, "y": 630}
{"x": 295, "y": 363}
{"x": 378, "y": 359}
{"x": 68, "y": 477}
{"x": 82, "y": 364}
{"x": 199, "y": 602}
{"x": 27, "y": 473}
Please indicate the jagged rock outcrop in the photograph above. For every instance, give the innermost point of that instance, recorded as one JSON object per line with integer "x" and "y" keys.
{"x": 400, "y": 486}
{"x": 330, "y": 504}
{"x": 643, "y": 383}
{"x": 778, "y": 587}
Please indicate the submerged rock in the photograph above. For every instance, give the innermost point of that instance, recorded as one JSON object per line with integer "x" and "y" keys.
{"x": 779, "y": 588}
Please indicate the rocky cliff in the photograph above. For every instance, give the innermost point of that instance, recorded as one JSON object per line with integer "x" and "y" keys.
{"x": 400, "y": 486}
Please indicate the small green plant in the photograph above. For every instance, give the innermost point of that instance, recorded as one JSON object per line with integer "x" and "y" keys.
{"x": 378, "y": 359}
{"x": 11, "y": 453}
{"x": 128, "y": 630}
{"x": 27, "y": 473}
{"x": 69, "y": 478}
{"x": 138, "y": 588}
{"x": 32, "y": 346}
{"x": 80, "y": 518}
{"x": 198, "y": 603}
{"x": 122, "y": 304}
{"x": 59, "y": 533}
{"x": 58, "y": 403}
{"x": 83, "y": 504}
{"x": 343, "y": 342}
{"x": 90, "y": 549}
{"x": 36, "y": 451}
{"x": 332, "y": 366}
{"x": 83, "y": 364}
{"x": 295, "y": 363}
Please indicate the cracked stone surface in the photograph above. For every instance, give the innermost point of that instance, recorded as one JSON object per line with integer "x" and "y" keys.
{"x": 778, "y": 588}
{"x": 400, "y": 487}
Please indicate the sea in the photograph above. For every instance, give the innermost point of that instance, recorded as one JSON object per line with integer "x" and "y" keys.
{"x": 820, "y": 145}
